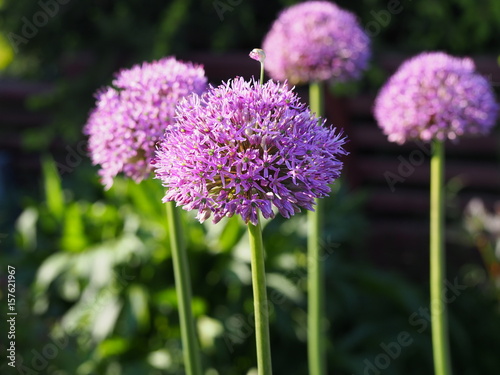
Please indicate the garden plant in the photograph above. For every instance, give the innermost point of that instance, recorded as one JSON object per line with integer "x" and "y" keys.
{"x": 212, "y": 221}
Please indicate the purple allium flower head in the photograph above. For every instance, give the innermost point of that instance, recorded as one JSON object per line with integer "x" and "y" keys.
{"x": 244, "y": 147}
{"x": 435, "y": 96}
{"x": 316, "y": 41}
{"x": 131, "y": 116}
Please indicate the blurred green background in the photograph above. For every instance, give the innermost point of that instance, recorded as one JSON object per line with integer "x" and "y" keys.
{"x": 94, "y": 283}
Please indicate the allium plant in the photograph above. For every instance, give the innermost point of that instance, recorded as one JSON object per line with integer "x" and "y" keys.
{"x": 242, "y": 148}
{"x": 132, "y": 114}
{"x": 123, "y": 130}
{"x": 316, "y": 41}
{"x": 248, "y": 148}
{"x": 435, "y": 96}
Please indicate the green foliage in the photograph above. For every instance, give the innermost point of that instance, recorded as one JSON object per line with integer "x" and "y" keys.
{"x": 455, "y": 26}
{"x": 103, "y": 290}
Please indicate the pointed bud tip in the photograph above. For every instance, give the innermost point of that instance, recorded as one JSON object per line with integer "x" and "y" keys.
{"x": 258, "y": 54}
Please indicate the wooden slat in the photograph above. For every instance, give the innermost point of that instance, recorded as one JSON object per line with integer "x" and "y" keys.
{"x": 414, "y": 202}
{"x": 15, "y": 120}
{"x": 369, "y": 136}
{"x": 476, "y": 175}
{"x": 13, "y": 89}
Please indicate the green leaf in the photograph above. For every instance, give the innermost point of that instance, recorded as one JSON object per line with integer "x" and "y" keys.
{"x": 106, "y": 314}
{"x": 145, "y": 198}
{"x": 166, "y": 297}
{"x": 26, "y": 229}
{"x": 283, "y": 287}
{"x": 138, "y": 298}
{"x": 199, "y": 306}
{"x": 73, "y": 236}
{"x": 52, "y": 267}
{"x": 231, "y": 234}
{"x": 160, "y": 359}
{"x": 35, "y": 140}
{"x": 112, "y": 346}
{"x": 54, "y": 196}
{"x": 208, "y": 330}
{"x": 6, "y": 50}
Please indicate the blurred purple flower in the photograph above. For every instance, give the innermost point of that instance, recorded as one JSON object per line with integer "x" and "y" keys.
{"x": 435, "y": 96}
{"x": 244, "y": 147}
{"x": 131, "y": 116}
{"x": 316, "y": 41}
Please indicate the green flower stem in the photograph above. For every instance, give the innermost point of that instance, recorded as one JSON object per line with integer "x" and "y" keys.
{"x": 440, "y": 343}
{"x": 192, "y": 361}
{"x": 261, "y": 80}
{"x": 315, "y": 335}
{"x": 260, "y": 302}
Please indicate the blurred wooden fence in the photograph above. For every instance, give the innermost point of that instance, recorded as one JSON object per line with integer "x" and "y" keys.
{"x": 397, "y": 210}
{"x": 15, "y": 120}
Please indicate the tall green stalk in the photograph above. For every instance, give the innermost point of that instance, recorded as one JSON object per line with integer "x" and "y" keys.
{"x": 260, "y": 302}
{"x": 440, "y": 343}
{"x": 315, "y": 315}
{"x": 261, "y": 78}
{"x": 191, "y": 354}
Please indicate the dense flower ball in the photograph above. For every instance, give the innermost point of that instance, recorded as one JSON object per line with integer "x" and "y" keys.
{"x": 435, "y": 96}
{"x": 131, "y": 116}
{"x": 316, "y": 41}
{"x": 244, "y": 147}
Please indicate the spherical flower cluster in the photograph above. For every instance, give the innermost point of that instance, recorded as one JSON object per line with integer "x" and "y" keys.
{"x": 316, "y": 41}
{"x": 244, "y": 147}
{"x": 435, "y": 96}
{"x": 131, "y": 116}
